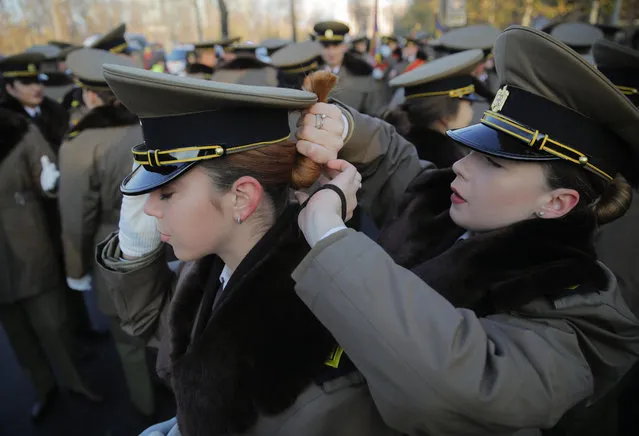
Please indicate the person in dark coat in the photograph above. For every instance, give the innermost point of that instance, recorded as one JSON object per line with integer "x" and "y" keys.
{"x": 438, "y": 97}
{"x": 23, "y": 93}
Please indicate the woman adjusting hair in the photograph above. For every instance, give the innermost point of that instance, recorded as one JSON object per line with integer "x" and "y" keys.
{"x": 486, "y": 311}
{"x": 241, "y": 352}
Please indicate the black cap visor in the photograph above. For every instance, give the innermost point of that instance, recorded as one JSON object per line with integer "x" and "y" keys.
{"x": 483, "y": 139}
{"x": 143, "y": 180}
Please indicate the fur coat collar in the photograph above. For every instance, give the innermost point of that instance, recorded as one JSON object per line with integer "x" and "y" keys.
{"x": 434, "y": 146}
{"x": 253, "y": 349}
{"x": 104, "y": 116}
{"x": 494, "y": 271}
{"x": 53, "y": 121}
{"x": 13, "y": 127}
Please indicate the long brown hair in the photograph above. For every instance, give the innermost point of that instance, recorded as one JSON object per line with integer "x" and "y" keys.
{"x": 277, "y": 167}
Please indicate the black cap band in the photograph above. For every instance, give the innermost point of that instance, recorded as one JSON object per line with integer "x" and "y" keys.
{"x": 554, "y": 129}
{"x": 455, "y": 87}
{"x": 198, "y": 136}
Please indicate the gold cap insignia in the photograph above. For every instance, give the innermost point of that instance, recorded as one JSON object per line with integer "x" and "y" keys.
{"x": 329, "y": 33}
{"x": 32, "y": 68}
{"x": 500, "y": 99}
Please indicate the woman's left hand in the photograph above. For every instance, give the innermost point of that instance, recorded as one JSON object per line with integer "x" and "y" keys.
{"x": 323, "y": 212}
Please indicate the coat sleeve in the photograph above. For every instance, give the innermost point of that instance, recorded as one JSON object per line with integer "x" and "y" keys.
{"x": 433, "y": 368}
{"x": 79, "y": 201}
{"x": 141, "y": 289}
{"x": 36, "y": 147}
{"x": 387, "y": 162}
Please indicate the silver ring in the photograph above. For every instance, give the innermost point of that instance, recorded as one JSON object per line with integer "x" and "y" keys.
{"x": 319, "y": 121}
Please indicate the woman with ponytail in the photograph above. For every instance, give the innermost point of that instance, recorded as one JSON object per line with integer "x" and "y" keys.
{"x": 242, "y": 354}
{"x": 483, "y": 309}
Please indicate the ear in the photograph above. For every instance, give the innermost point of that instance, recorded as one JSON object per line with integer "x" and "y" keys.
{"x": 10, "y": 88}
{"x": 560, "y": 203}
{"x": 248, "y": 193}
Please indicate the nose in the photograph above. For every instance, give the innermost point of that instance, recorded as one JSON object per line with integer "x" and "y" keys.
{"x": 152, "y": 205}
{"x": 460, "y": 168}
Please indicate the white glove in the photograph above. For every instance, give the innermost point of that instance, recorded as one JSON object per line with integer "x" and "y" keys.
{"x": 82, "y": 284}
{"x": 49, "y": 175}
{"x": 139, "y": 234}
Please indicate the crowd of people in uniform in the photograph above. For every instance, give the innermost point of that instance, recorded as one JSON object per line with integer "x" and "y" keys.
{"x": 498, "y": 293}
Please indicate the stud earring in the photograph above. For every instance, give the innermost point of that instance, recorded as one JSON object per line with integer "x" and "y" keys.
{"x": 540, "y": 213}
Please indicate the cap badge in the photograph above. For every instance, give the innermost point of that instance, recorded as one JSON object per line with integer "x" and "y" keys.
{"x": 329, "y": 33}
{"x": 500, "y": 99}
{"x": 31, "y": 68}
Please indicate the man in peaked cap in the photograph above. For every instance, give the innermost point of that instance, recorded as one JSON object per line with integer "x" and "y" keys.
{"x": 244, "y": 68}
{"x": 295, "y": 61}
{"x": 207, "y": 56}
{"x": 274, "y": 44}
{"x": 58, "y": 82}
{"x": 93, "y": 161}
{"x": 24, "y": 93}
{"x": 356, "y": 86}
{"x": 413, "y": 56}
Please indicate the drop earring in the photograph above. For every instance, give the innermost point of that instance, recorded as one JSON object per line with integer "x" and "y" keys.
{"x": 238, "y": 220}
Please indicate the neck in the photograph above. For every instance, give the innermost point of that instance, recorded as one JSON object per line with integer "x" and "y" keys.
{"x": 438, "y": 126}
{"x": 243, "y": 242}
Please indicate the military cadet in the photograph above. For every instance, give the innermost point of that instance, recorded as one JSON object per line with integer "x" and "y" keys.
{"x": 295, "y": 62}
{"x": 356, "y": 86}
{"x": 207, "y": 55}
{"x": 113, "y": 41}
{"x": 23, "y": 93}
{"x": 578, "y": 36}
{"x": 485, "y": 310}
{"x": 242, "y": 66}
{"x": 438, "y": 98}
{"x": 32, "y": 299}
{"x": 618, "y": 242}
{"x": 57, "y": 81}
{"x": 477, "y": 36}
{"x": 233, "y": 308}
{"x": 93, "y": 161}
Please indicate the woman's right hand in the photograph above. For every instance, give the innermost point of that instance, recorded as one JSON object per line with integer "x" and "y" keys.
{"x": 139, "y": 234}
{"x": 323, "y": 212}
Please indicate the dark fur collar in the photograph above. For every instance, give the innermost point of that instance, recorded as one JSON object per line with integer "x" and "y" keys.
{"x": 356, "y": 65}
{"x": 243, "y": 63}
{"x": 104, "y": 116}
{"x": 256, "y": 350}
{"x": 53, "y": 122}
{"x": 493, "y": 271}
{"x": 434, "y": 146}
{"x": 13, "y": 127}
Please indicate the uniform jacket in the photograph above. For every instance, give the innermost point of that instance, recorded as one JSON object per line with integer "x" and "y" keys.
{"x": 28, "y": 265}
{"x": 246, "y": 71}
{"x": 93, "y": 162}
{"x": 503, "y": 333}
{"x": 248, "y": 360}
{"x": 356, "y": 87}
{"x": 53, "y": 121}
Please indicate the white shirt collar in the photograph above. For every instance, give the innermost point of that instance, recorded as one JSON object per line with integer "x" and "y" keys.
{"x": 335, "y": 70}
{"x": 32, "y": 111}
{"x": 225, "y": 276}
{"x": 464, "y": 236}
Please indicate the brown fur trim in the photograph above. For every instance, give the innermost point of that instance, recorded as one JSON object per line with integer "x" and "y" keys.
{"x": 256, "y": 350}
{"x": 115, "y": 115}
{"x": 13, "y": 127}
{"x": 493, "y": 271}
